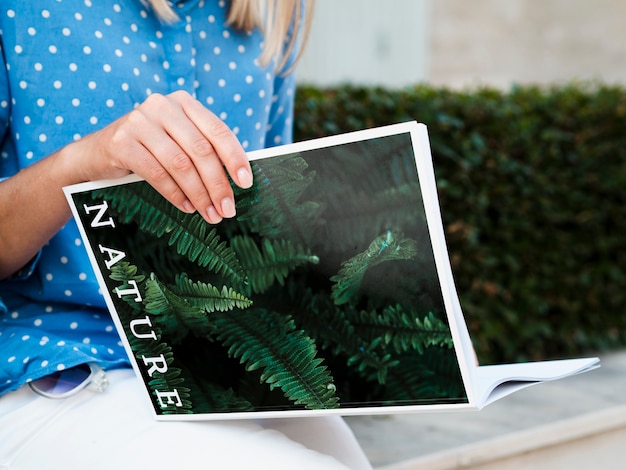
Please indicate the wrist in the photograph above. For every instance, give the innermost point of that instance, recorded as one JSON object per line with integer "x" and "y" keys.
{"x": 68, "y": 167}
{"x": 85, "y": 160}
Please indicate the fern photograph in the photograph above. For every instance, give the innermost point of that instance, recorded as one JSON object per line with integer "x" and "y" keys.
{"x": 321, "y": 293}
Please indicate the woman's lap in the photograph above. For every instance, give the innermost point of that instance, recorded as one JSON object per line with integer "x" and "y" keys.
{"x": 91, "y": 430}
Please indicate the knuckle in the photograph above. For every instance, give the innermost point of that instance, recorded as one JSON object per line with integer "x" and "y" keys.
{"x": 202, "y": 147}
{"x": 220, "y": 186}
{"x": 176, "y": 195}
{"x": 218, "y": 128}
{"x": 119, "y": 138}
{"x": 156, "y": 101}
{"x": 180, "y": 95}
{"x": 157, "y": 174}
{"x": 181, "y": 162}
{"x": 135, "y": 119}
{"x": 200, "y": 197}
{"x": 155, "y": 98}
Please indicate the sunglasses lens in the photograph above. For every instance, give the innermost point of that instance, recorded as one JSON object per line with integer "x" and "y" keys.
{"x": 64, "y": 381}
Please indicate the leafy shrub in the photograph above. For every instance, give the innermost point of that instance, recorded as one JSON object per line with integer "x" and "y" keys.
{"x": 532, "y": 186}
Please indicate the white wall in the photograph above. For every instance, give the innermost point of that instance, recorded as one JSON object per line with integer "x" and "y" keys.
{"x": 367, "y": 42}
{"x": 500, "y": 42}
{"x": 461, "y": 43}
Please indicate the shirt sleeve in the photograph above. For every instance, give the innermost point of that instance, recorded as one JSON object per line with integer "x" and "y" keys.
{"x": 7, "y": 164}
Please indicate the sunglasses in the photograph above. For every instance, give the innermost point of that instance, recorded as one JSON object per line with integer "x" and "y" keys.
{"x": 68, "y": 382}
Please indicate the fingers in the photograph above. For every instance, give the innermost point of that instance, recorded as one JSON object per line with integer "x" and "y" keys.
{"x": 224, "y": 142}
{"x": 184, "y": 151}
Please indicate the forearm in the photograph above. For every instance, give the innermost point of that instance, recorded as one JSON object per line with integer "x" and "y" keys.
{"x": 32, "y": 209}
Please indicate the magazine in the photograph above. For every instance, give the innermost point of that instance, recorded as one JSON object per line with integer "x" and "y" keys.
{"x": 330, "y": 291}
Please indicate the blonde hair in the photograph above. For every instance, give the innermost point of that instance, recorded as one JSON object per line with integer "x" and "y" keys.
{"x": 273, "y": 17}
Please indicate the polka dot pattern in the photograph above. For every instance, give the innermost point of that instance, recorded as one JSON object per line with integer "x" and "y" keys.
{"x": 72, "y": 67}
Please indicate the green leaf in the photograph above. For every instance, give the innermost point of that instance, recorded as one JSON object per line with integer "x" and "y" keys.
{"x": 386, "y": 247}
{"x": 208, "y": 297}
{"x": 172, "y": 313}
{"x": 287, "y": 357}
{"x": 190, "y": 234}
{"x": 273, "y": 264}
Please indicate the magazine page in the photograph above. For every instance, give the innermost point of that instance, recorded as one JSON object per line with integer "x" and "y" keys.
{"x": 494, "y": 382}
{"x": 330, "y": 292}
{"x": 323, "y": 294}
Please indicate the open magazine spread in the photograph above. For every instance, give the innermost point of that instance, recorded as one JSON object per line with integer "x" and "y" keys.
{"x": 330, "y": 292}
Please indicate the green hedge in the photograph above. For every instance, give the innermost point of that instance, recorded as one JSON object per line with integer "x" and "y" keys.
{"x": 533, "y": 195}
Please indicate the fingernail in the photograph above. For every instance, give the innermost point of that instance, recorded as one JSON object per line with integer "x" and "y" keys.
{"x": 244, "y": 177}
{"x": 188, "y": 207}
{"x": 228, "y": 207}
{"x": 214, "y": 217}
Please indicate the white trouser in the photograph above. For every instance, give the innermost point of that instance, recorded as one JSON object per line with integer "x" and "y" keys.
{"x": 115, "y": 429}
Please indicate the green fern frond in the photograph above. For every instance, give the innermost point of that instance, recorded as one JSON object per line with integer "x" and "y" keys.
{"x": 192, "y": 236}
{"x": 289, "y": 172}
{"x": 287, "y": 357}
{"x": 127, "y": 276}
{"x": 386, "y": 194}
{"x": 361, "y": 215}
{"x": 170, "y": 380}
{"x": 277, "y": 209}
{"x": 383, "y": 248}
{"x": 335, "y": 331}
{"x": 274, "y": 263}
{"x": 208, "y": 297}
{"x": 210, "y": 397}
{"x": 372, "y": 365}
{"x": 172, "y": 313}
{"x": 123, "y": 271}
{"x": 386, "y": 162}
{"x": 404, "y": 330}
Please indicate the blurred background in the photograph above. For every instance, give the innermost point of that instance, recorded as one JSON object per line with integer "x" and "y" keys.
{"x": 458, "y": 43}
{"x": 525, "y": 103}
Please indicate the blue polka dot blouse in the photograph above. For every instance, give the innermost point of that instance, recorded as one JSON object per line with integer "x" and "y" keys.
{"x": 70, "y": 68}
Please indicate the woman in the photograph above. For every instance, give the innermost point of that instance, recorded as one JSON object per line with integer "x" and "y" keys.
{"x": 99, "y": 89}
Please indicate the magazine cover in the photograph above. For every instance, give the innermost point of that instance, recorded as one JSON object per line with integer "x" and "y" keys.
{"x": 328, "y": 292}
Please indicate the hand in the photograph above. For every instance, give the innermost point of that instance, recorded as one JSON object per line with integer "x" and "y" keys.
{"x": 178, "y": 146}
{"x": 172, "y": 141}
